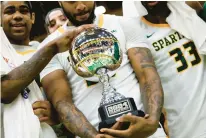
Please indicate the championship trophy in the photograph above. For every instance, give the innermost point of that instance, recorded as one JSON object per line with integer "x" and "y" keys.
{"x": 93, "y": 53}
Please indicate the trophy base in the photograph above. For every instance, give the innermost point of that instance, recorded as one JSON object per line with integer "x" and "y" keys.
{"x": 110, "y": 122}
{"x": 110, "y": 112}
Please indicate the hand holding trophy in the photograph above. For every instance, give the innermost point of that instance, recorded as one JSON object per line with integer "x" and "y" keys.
{"x": 93, "y": 53}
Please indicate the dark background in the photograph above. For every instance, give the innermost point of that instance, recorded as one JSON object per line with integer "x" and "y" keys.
{"x": 41, "y": 8}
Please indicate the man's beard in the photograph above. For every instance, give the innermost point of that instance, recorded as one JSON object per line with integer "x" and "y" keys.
{"x": 158, "y": 9}
{"x": 78, "y": 23}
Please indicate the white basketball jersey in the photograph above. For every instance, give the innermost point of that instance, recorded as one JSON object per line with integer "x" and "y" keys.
{"x": 87, "y": 94}
{"x": 123, "y": 80}
{"x": 183, "y": 75}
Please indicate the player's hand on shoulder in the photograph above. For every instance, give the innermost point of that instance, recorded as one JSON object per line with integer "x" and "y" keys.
{"x": 44, "y": 111}
{"x": 139, "y": 127}
{"x": 64, "y": 42}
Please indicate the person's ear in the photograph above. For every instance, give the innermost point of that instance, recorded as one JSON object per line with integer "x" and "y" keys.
{"x": 33, "y": 17}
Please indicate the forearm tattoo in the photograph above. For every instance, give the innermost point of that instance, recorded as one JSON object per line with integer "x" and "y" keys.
{"x": 152, "y": 97}
{"x": 74, "y": 120}
{"x": 151, "y": 89}
{"x": 20, "y": 77}
{"x": 32, "y": 67}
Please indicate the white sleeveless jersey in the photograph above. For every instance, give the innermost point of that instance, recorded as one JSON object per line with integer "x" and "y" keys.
{"x": 24, "y": 123}
{"x": 87, "y": 94}
{"x": 183, "y": 75}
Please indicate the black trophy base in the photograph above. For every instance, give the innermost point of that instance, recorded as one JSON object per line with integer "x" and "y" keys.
{"x": 109, "y": 112}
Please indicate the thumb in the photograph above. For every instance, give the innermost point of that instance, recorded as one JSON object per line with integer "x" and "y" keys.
{"x": 128, "y": 118}
{"x": 117, "y": 125}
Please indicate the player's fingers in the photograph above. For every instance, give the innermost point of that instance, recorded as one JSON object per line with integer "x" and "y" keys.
{"x": 117, "y": 125}
{"x": 41, "y": 112}
{"x": 118, "y": 119}
{"x": 41, "y": 104}
{"x": 43, "y": 119}
{"x": 128, "y": 118}
{"x": 104, "y": 136}
{"x": 100, "y": 136}
{"x": 115, "y": 133}
{"x": 84, "y": 27}
{"x": 146, "y": 116}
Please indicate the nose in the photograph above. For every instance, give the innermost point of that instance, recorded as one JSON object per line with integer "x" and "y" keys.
{"x": 59, "y": 23}
{"x": 80, "y": 6}
{"x": 17, "y": 16}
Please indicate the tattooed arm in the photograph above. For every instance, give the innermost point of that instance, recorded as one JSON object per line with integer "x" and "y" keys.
{"x": 20, "y": 77}
{"x": 152, "y": 97}
{"x": 150, "y": 85}
{"x": 59, "y": 93}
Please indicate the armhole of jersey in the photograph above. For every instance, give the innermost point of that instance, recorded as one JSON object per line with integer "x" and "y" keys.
{"x": 101, "y": 20}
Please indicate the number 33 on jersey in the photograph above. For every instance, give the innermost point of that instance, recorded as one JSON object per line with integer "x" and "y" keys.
{"x": 183, "y": 75}
{"x": 182, "y": 51}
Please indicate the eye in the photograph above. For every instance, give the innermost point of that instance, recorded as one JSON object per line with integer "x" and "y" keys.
{"x": 71, "y": 2}
{"x": 63, "y": 18}
{"x": 52, "y": 23}
{"x": 9, "y": 11}
{"x": 24, "y": 10}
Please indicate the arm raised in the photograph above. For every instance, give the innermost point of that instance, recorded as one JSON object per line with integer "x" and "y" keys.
{"x": 20, "y": 77}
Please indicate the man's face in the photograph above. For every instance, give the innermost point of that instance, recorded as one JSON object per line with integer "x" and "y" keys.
{"x": 16, "y": 19}
{"x": 154, "y": 7}
{"x": 79, "y": 12}
{"x": 56, "y": 19}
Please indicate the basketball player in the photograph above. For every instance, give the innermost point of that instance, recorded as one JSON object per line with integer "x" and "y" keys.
{"x": 77, "y": 99}
{"x": 17, "y": 19}
{"x": 182, "y": 71}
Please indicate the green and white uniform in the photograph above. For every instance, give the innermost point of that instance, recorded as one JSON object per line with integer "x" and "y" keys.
{"x": 87, "y": 94}
{"x": 183, "y": 75}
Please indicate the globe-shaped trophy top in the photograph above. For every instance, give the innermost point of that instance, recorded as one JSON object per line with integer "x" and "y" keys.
{"x": 93, "y": 49}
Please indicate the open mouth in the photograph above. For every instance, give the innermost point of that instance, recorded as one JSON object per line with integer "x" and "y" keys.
{"x": 152, "y": 3}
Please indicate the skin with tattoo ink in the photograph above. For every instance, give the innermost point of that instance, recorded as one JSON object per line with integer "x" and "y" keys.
{"x": 152, "y": 97}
